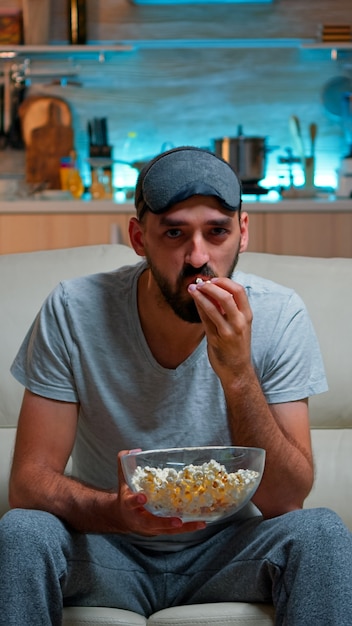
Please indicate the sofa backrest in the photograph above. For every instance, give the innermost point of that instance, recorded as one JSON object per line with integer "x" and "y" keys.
{"x": 25, "y": 281}
{"x": 324, "y": 285}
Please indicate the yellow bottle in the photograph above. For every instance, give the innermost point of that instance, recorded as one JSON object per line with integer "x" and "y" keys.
{"x": 75, "y": 184}
{"x": 66, "y": 166}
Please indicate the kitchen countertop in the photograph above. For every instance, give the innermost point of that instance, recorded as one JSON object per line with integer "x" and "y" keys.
{"x": 38, "y": 206}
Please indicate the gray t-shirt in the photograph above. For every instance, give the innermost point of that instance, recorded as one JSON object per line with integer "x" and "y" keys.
{"x": 86, "y": 345}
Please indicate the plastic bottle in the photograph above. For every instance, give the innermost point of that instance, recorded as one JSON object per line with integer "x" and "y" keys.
{"x": 66, "y": 166}
{"x": 97, "y": 188}
{"x": 75, "y": 183}
{"x": 127, "y": 173}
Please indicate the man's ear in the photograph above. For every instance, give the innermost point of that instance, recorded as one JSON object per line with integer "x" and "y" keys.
{"x": 244, "y": 231}
{"x": 135, "y": 231}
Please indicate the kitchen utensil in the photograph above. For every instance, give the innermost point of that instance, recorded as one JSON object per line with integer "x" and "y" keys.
{"x": 296, "y": 134}
{"x": 313, "y": 130}
{"x": 7, "y": 97}
{"x": 3, "y": 136}
{"x": 34, "y": 112}
{"x": 77, "y": 21}
{"x": 247, "y": 155}
{"x": 18, "y": 93}
{"x": 48, "y": 144}
{"x": 309, "y": 162}
{"x": 13, "y": 90}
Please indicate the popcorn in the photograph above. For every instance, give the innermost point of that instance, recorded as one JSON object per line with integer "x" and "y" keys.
{"x": 200, "y": 281}
{"x": 205, "y": 491}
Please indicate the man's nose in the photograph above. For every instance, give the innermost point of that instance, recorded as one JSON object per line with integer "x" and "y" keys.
{"x": 197, "y": 252}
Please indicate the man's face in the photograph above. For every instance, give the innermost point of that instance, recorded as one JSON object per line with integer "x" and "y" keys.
{"x": 196, "y": 238}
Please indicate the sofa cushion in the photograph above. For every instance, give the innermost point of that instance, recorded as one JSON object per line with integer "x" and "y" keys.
{"x": 212, "y": 614}
{"x": 93, "y": 616}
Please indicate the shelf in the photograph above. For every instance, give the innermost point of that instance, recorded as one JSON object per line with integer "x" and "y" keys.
{"x": 102, "y": 49}
{"x": 235, "y": 43}
{"x": 328, "y": 45}
{"x": 338, "y": 50}
{"x": 97, "y": 51}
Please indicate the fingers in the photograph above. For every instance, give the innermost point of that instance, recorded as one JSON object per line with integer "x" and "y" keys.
{"x": 221, "y": 295}
{"x": 137, "y": 519}
{"x": 226, "y": 315}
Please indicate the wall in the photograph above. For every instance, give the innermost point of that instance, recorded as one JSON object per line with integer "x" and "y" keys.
{"x": 191, "y": 96}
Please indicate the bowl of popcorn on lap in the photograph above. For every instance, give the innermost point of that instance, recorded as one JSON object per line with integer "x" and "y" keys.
{"x": 195, "y": 484}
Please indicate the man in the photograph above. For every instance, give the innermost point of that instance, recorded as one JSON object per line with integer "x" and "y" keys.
{"x": 148, "y": 357}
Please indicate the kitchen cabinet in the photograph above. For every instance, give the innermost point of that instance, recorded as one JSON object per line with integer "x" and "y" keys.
{"x": 307, "y": 234}
{"x": 307, "y": 228}
{"x": 28, "y": 232}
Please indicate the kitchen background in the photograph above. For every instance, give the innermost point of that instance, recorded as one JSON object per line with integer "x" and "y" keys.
{"x": 192, "y": 73}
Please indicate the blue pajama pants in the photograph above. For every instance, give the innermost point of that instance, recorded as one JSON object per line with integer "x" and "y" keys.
{"x": 300, "y": 561}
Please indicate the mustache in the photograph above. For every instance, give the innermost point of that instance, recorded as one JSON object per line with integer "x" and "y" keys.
{"x": 192, "y": 272}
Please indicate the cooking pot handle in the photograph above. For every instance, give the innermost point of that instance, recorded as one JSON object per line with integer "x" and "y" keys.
{"x": 225, "y": 149}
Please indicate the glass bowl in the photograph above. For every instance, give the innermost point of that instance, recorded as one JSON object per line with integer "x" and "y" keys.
{"x": 204, "y": 484}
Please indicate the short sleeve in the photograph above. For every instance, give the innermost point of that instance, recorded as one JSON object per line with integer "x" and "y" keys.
{"x": 43, "y": 363}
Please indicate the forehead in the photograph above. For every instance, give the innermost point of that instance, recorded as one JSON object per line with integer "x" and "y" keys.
{"x": 205, "y": 209}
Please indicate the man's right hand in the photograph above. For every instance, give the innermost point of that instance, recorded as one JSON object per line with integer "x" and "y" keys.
{"x": 134, "y": 517}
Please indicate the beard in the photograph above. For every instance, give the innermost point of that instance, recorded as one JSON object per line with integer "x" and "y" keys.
{"x": 178, "y": 297}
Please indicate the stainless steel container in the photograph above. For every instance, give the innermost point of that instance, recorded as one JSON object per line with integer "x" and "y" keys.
{"x": 247, "y": 156}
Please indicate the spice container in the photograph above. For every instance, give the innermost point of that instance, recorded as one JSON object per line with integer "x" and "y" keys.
{"x": 10, "y": 27}
{"x": 77, "y": 22}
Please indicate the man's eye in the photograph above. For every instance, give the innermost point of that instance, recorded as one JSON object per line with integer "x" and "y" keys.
{"x": 219, "y": 231}
{"x": 173, "y": 233}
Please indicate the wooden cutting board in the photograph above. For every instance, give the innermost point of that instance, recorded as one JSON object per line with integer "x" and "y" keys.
{"x": 48, "y": 143}
{"x": 34, "y": 111}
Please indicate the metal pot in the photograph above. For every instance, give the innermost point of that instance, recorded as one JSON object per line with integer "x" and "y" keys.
{"x": 247, "y": 156}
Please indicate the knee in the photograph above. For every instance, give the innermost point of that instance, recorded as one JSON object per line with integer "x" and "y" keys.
{"x": 322, "y": 520}
{"x": 321, "y": 528}
{"x": 21, "y": 529}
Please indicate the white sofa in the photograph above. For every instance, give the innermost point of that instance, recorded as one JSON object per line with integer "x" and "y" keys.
{"x": 324, "y": 284}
